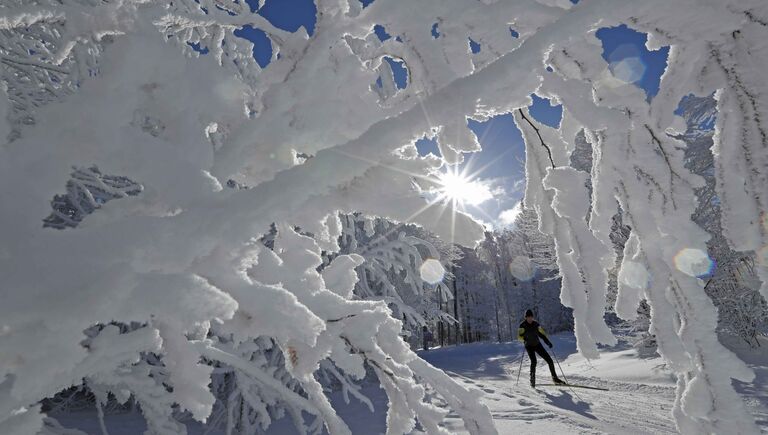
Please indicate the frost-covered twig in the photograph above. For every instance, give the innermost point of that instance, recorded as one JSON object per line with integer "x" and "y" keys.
{"x": 538, "y": 133}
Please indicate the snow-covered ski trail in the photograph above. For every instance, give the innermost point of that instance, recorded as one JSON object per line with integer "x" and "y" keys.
{"x": 641, "y": 406}
{"x": 573, "y": 386}
{"x": 632, "y": 408}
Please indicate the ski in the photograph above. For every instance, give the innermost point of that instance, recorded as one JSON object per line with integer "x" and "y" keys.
{"x": 572, "y": 385}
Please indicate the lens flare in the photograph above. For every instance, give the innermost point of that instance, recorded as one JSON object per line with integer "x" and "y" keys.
{"x": 762, "y": 256}
{"x": 762, "y": 253}
{"x": 634, "y": 274}
{"x": 522, "y": 268}
{"x": 694, "y": 262}
{"x": 432, "y": 271}
{"x": 629, "y": 70}
{"x": 626, "y": 64}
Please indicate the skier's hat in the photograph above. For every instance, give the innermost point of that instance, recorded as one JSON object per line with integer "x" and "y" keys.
{"x": 528, "y": 313}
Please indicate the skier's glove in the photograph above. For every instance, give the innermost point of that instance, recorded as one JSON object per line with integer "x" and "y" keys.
{"x": 550, "y": 345}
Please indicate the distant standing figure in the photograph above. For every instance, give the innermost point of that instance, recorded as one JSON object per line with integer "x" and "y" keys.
{"x": 426, "y": 336}
{"x": 529, "y": 333}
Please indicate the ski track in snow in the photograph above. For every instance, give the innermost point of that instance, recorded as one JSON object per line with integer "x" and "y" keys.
{"x": 640, "y": 400}
{"x": 627, "y": 408}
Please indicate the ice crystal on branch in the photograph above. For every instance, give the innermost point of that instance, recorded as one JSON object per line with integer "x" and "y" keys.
{"x": 87, "y": 191}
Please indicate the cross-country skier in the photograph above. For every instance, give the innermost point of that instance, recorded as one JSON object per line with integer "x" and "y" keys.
{"x": 529, "y": 333}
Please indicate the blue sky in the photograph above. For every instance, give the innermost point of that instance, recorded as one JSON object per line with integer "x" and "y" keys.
{"x": 500, "y": 165}
{"x": 503, "y": 154}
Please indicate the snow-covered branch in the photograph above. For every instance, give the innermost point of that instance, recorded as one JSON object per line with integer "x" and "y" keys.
{"x": 124, "y": 86}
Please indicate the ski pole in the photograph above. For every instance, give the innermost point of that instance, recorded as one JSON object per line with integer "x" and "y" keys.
{"x": 564, "y": 378}
{"x": 522, "y": 357}
{"x": 559, "y": 366}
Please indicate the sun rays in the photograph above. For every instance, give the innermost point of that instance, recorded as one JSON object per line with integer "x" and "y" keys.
{"x": 463, "y": 190}
{"x": 454, "y": 191}
{"x": 457, "y": 188}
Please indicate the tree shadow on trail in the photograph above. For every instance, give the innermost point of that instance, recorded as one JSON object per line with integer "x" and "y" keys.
{"x": 567, "y": 402}
{"x": 493, "y": 361}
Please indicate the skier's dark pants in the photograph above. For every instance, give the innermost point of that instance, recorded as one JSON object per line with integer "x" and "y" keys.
{"x": 532, "y": 351}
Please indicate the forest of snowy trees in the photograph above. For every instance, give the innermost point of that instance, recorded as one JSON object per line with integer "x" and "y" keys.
{"x": 199, "y": 235}
{"x": 480, "y": 294}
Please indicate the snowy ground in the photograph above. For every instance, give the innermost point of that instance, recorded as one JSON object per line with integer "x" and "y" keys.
{"x": 639, "y": 401}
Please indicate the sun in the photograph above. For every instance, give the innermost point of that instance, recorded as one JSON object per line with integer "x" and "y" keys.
{"x": 460, "y": 189}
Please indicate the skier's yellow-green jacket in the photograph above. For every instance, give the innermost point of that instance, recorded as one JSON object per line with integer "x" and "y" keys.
{"x": 529, "y": 334}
